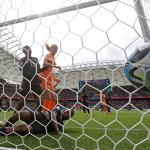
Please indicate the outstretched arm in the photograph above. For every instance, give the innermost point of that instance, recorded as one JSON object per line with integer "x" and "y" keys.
{"x": 20, "y": 129}
{"x": 43, "y": 69}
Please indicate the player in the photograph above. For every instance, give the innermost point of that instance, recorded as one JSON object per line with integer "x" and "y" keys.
{"x": 85, "y": 102}
{"x": 30, "y": 67}
{"x": 38, "y": 122}
{"x": 108, "y": 99}
{"x": 48, "y": 79}
{"x": 103, "y": 101}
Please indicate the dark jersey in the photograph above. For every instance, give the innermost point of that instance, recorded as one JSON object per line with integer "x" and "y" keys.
{"x": 43, "y": 120}
{"x": 107, "y": 99}
{"x": 84, "y": 98}
{"x": 29, "y": 67}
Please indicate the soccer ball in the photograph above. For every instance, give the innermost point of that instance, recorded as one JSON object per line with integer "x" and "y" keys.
{"x": 137, "y": 70}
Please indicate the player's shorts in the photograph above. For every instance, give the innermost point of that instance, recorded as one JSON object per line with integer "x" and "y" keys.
{"x": 47, "y": 85}
{"x": 35, "y": 87}
{"x": 47, "y": 81}
{"x": 49, "y": 105}
{"x": 85, "y": 104}
{"x": 38, "y": 121}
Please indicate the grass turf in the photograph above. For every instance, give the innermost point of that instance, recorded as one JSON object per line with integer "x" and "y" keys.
{"x": 122, "y": 130}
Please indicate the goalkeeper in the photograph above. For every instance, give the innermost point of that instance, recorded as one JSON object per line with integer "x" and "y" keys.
{"x": 48, "y": 79}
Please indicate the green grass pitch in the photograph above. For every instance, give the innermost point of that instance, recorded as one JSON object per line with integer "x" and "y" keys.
{"x": 122, "y": 130}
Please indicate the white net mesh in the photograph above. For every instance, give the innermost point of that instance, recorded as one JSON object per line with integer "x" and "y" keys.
{"x": 95, "y": 40}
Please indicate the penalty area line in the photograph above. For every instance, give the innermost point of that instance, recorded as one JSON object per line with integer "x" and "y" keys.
{"x": 106, "y": 129}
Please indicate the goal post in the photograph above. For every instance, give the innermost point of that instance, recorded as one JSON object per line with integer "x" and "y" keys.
{"x": 143, "y": 19}
{"x": 56, "y": 11}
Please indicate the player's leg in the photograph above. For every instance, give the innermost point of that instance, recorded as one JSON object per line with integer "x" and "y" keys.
{"x": 108, "y": 109}
{"x": 84, "y": 109}
{"x": 51, "y": 88}
{"x": 104, "y": 105}
{"x": 107, "y": 100}
{"x": 20, "y": 129}
{"x": 52, "y": 95}
{"x": 88, "y": 110}
{"x": 87, "y": 107}
{"x": 24, "y": 115}
{"x": 50, "y": 102}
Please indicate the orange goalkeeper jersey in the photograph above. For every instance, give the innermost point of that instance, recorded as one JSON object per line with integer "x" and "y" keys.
{"x": 104, "y": 102}
{"x": 47, "y": 81}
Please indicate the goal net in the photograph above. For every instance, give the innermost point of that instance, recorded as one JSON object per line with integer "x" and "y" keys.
{"x": 95, "y": 39}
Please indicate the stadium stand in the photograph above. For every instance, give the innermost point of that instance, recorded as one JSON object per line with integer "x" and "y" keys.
{"x": 69, "y": 96}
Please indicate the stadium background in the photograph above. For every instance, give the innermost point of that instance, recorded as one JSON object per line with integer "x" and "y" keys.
{"x": 69, "y": 91}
